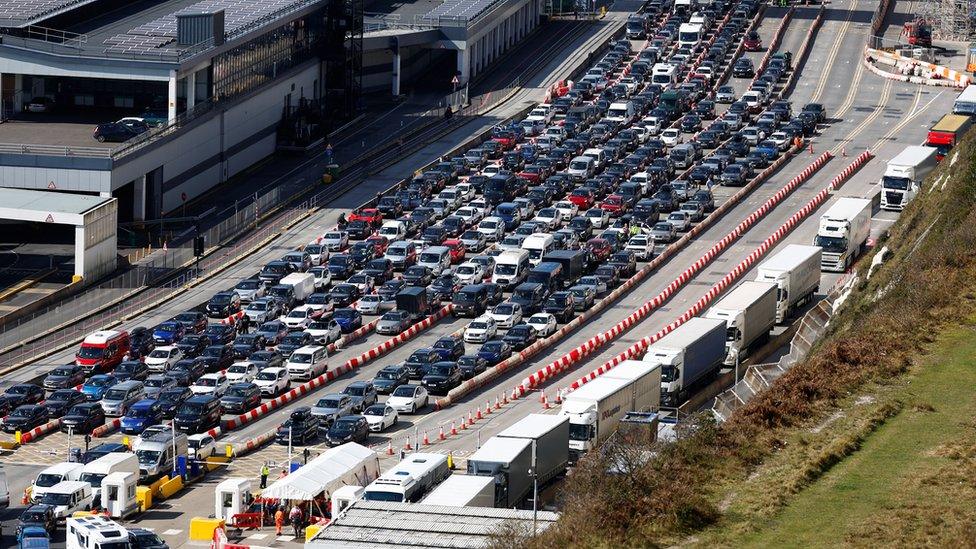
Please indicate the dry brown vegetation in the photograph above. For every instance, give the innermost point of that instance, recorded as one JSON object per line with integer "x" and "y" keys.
{"x": 927, "y": 283}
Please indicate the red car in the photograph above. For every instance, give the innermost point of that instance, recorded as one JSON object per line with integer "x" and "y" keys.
{"x": 614, "y": 205}
{"x": 599, "y": 249}
{"x": 370, "y": 215}
{"x": 752, "y": 41}
{"x": 583, "y": 198}
{"x": 506, "y": 138}
{"x": 381, "y": 242}
{"x": 531, "y": 177}
{"x": 456, "y": 249}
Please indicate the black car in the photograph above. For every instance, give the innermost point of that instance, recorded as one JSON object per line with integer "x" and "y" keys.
{"x": 141, "y": 342}
{"x": 59, "y": 402}
{"x": 186, "y": 371}
{"x": 223, "y": 304}
{"x": 193, "y": 345}
{"x": 561, "y": 305}
{"x": 195, "y": 322}
{"x": 240, "y": 397}
{"x": 40, "y": 515}
{"x": 103, "y": 450}
{"x": 269, "y": 359}
{"x": 380, "y": 270}
{"x": 362, "y": 394}
{"x": 359, "y": 230}
{"x": 344, "y": 294}
{"x": 131, "y": 369}
{"x": 217, "y": 357}
{"x": 817, "y": 110}
{"x": 64, "y": 377}
{"x": 609, "y": 274}
{"x": 245, "y": 344}
{"x": 140, "y": 538}
{"x": 301, "y": 427}
{"x": 389, "y": 378}
{"x": 341, "y": 266}
{"x": 471, "y": 365}
{"x": 441, "y": 377}
{"x": 220, "y": 333}
{"x": 521, "y": 336}
{"x": 346, "y": 429}
{"x": 743, "y": 68}
{"x": 170, "y": 399}
{"x": 417, "y": 275}
{"x": 198, "y": 413}
{"x": 419, "y": 360}
{"x": 293, "y": 341}
{"x": 362, "y": 253}
{"x": 83, "y": 418}
{"x": 118, "y": 132}
{"x": 25, "y": 417}
{"x": 626, "y": 261}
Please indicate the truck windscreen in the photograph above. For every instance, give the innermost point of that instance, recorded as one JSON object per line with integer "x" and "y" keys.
{"x": 896, "y": 183}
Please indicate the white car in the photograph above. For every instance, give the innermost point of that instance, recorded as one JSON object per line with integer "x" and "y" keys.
{"x": 243, "y": 371}
{"x": 480, "y": 330}
{"x": 470, "y": 272}
{"x": 471, "y": 216}
{"x": 335, "y": 240}
{"x": 324, "y": 331}
{"x": 753, "y": 99}
{"x": 598, "y": 217}
{"x": 525, "y": 206}
{"x": 672, "y": 137}
{"x": 272, "y": 381}
{"x": 300, "y": 317}
{"x": 544, "y": 323}
{"x": 480, "y": 204}
{"x": 548, "y": 216}
{"x": 567, "y": 209}
{"x": 733, "y": 120}
{"x": 380, "y": 417}
{"x": 210, "y": 384}
{"x": 630, "y": 83}
{"x": 201, "y": 446}
{"x": 371, "y": 304}
{"x": 493, "y": 228}
{"x": 491, "y": 170}
{"x": 322, "y": 277}
{"x": 361, "y": 281}
{"x": 781, "y": 139}
{"x": 318, "y": 252}
{"x": 408, "y": 399}
{"x": 653, "y": 125}
{"x": 753, "y": 135}
{"x": 507, "y": 314}
{"x": 161, "y": 359}
{"x": 260, "y": 310}
{"x": 641, "y": 245}
{"x": 681, "y": 220}
{"x": 466, "y": 191}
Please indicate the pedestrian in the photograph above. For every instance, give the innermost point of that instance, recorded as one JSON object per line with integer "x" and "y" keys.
{"x": 295, "y": 516}
{"x": 284, "y": 473}
{"x": 265, "y": 471}
{"x": 242, "y": 327}
{"x": 342, "y": 221}
{"x": 279, "y": 518}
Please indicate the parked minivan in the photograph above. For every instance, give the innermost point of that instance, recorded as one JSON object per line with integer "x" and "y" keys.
{"x": 53, "y": 475}
{"x": 307, "y": 362}
{"x": 103, "y": 350}
{"x": 198, "y": 413}
{"x": 435, "y": 258}
{"x": 120, "y": 397}
{"x": 69, "y": 497}
{"x": 581, "y": 167}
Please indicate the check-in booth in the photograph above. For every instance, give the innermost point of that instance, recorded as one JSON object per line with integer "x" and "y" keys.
{"x": 119, "y": 494}
{"x": 230, "y": 498}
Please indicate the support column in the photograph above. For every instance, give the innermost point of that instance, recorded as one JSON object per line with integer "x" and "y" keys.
{"x": 463, "y": 66}
{"x": 139, "y": 198}
{"x": 396, "y": 72}
{"x": 171, "y": 97}
{"x": 79, "y": 252}
{"x": 191, "y": 91}
{"x": 18, "y": 92}
{"x": 3, "y": 104}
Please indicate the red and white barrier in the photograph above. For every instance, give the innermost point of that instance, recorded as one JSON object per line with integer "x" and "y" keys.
{"x": 599, "y": 340}
{"x": 232, "y": 319}
{"x": 108, "y": 428}
{"x": 38, "y": 432}
{"x": 362, "y": 331}
{"x": 713, "y": 292}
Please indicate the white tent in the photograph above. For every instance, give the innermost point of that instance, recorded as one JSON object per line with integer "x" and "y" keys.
{"x": 340, "y": 466}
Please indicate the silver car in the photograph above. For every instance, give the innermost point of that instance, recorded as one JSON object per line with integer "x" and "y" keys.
{"x": 393, "y": 322}
{"x": 663, "y": 232}
{"x": 332, "y": 406}
{"x": 335, "y": 240}
{"x": 251, "y": 289}
{"x": 725, "y": 94}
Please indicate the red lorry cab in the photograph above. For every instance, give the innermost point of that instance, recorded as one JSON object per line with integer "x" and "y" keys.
{"x": 948, "y": 131}
{"x": 102, "y": 351}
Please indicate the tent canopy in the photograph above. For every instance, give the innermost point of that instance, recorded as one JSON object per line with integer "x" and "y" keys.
{"x": 346, "y": 464}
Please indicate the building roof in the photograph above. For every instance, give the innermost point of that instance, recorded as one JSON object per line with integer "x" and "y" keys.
{"x": 19, "y": 13}
{"x": 374, "y": 524}
{"x": 49, "y": 206}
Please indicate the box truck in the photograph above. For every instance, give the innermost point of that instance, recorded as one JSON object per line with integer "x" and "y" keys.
{"x": 796, "y": 272}
{"x": 596, "y": 408}
{"x": 903, "y": 176}
{"x": 463, "y": 491}
{"x": 551, "y": 435}
{"x": 843, "y": 232}
{"x": 947, "y": 132}
{"x": 508, "y": 461}
{"x": 573, "y": 262}
{"x": 688, "y": 357}
{"x": 966, "y": 102}
{"x": 413, "y": 300}
{"x": 302, "y": 283}
{"x": 749, "y": 312}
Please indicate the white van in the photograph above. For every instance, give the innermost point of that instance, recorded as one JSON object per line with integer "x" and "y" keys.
{"x": 511, "y": 268}
{"x": 394, "y": 230}
{"x": 155, "y": 453}
{"x": 581, "y": 167}
{"x": 664, "y": 74}
{"x": 435, "y": 258}
{"x": 643, "y": 179}
{"x": 598, "y": 156}
{"x": 69, "y": 497}
{"x": 115, "y": 462}
{"x": 621, "y": 112}
{"x": 539, "y": 246}
{"x": 52, "y": 476}
{"x": 307, "y": 362}
{"x": 689, "y": 34}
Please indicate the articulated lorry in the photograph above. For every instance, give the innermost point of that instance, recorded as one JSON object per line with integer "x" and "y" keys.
{"x": 551, "y": 435}
{"x": 947, "y": 132}
{"x": 796, "y": 271}
{"x": 595, "y": 409}
{"x": 903, "y": 176}
{"x": 508, "y": 461}
{"x": 843, "y": 232}
{"x": 688, "y": 357}
{"x": 749, "y": 312}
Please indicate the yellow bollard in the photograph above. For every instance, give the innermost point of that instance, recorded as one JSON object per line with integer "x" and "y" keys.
{"x": 17, "y": 437}
{"x": 125, "y": 442}
{"x": 450, "y": 460}
{"x": 229, "y": 451}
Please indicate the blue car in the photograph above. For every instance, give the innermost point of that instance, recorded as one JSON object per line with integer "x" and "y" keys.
{"x": 768, "y": 148}
{"x": 142, "y": 414}
{"x": 169, "y": 332}
{"x": 96, "y": 386}
{"x": 495, "y": 352}
{"x": 33, "y": 537}
{"x": 348, "y": 319}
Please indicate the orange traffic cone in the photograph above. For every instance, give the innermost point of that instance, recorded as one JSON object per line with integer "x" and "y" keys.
{"x": 454, "y": 429}
{"x": 487, "y": 407}
{"x": 559, "y": 397}
{"x": 514, "y": 394}
{"x": 811, "y": 149}
{"x": 479, "y": 416}
{"x": 504, "y": 398}
{"x": 426, "y": 439}
{"x": 389, "y": 448}
{"x": 464, "y": 424}
{"x": 498, "y": 404}
{"x": 545, "y": 401}
{"x": 843, "y": 151}
{"x": 542, "y": 397}
{"x": 407, "y": 446}
{"x": 471, "y": 418}
{"x": 441, "y": 435}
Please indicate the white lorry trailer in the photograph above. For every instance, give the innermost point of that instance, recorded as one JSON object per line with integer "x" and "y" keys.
{"x": 551, "y": 435}
{"x": 596, "y": 408}
{"x": 843, "y": 232}
{"x": 688, "y": 357}
{"x": 302, "y": 283}
{"x": 749, "y": 312}
{"x": 796, "y": 271}
{"x": 463, "y": 491}
{"x": 904, "y": 174}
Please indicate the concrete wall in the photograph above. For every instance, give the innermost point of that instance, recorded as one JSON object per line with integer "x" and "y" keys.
{"x": 378, "y": 67}
{"x": 96, "y": 242}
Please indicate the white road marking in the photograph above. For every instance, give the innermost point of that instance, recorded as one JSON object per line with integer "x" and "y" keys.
{"x": 172, "y": 532}
{"x": 257, "y": 536}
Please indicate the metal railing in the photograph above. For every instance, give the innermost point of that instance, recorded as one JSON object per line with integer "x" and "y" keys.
{"x": 54, "y": 150}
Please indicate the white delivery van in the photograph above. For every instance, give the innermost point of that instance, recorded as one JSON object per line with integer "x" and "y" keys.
{"x": 115, "y": 462}
{"x": 598, "y": 156}
{"x": 302, "y": 283}
{"x": 581, "y": 167}
{"x": 307, "y": 362}
{"x": 664, "y": 74}
{"x": 539, "y": 246}
{"x": 511, "y": 268}
{"x": 52, "y": 476}
{"x": 394, "y": 230}
{"x": 621, "y": 112}
{"x": 69, "y": 497}
{"x": 156, "y": 454}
